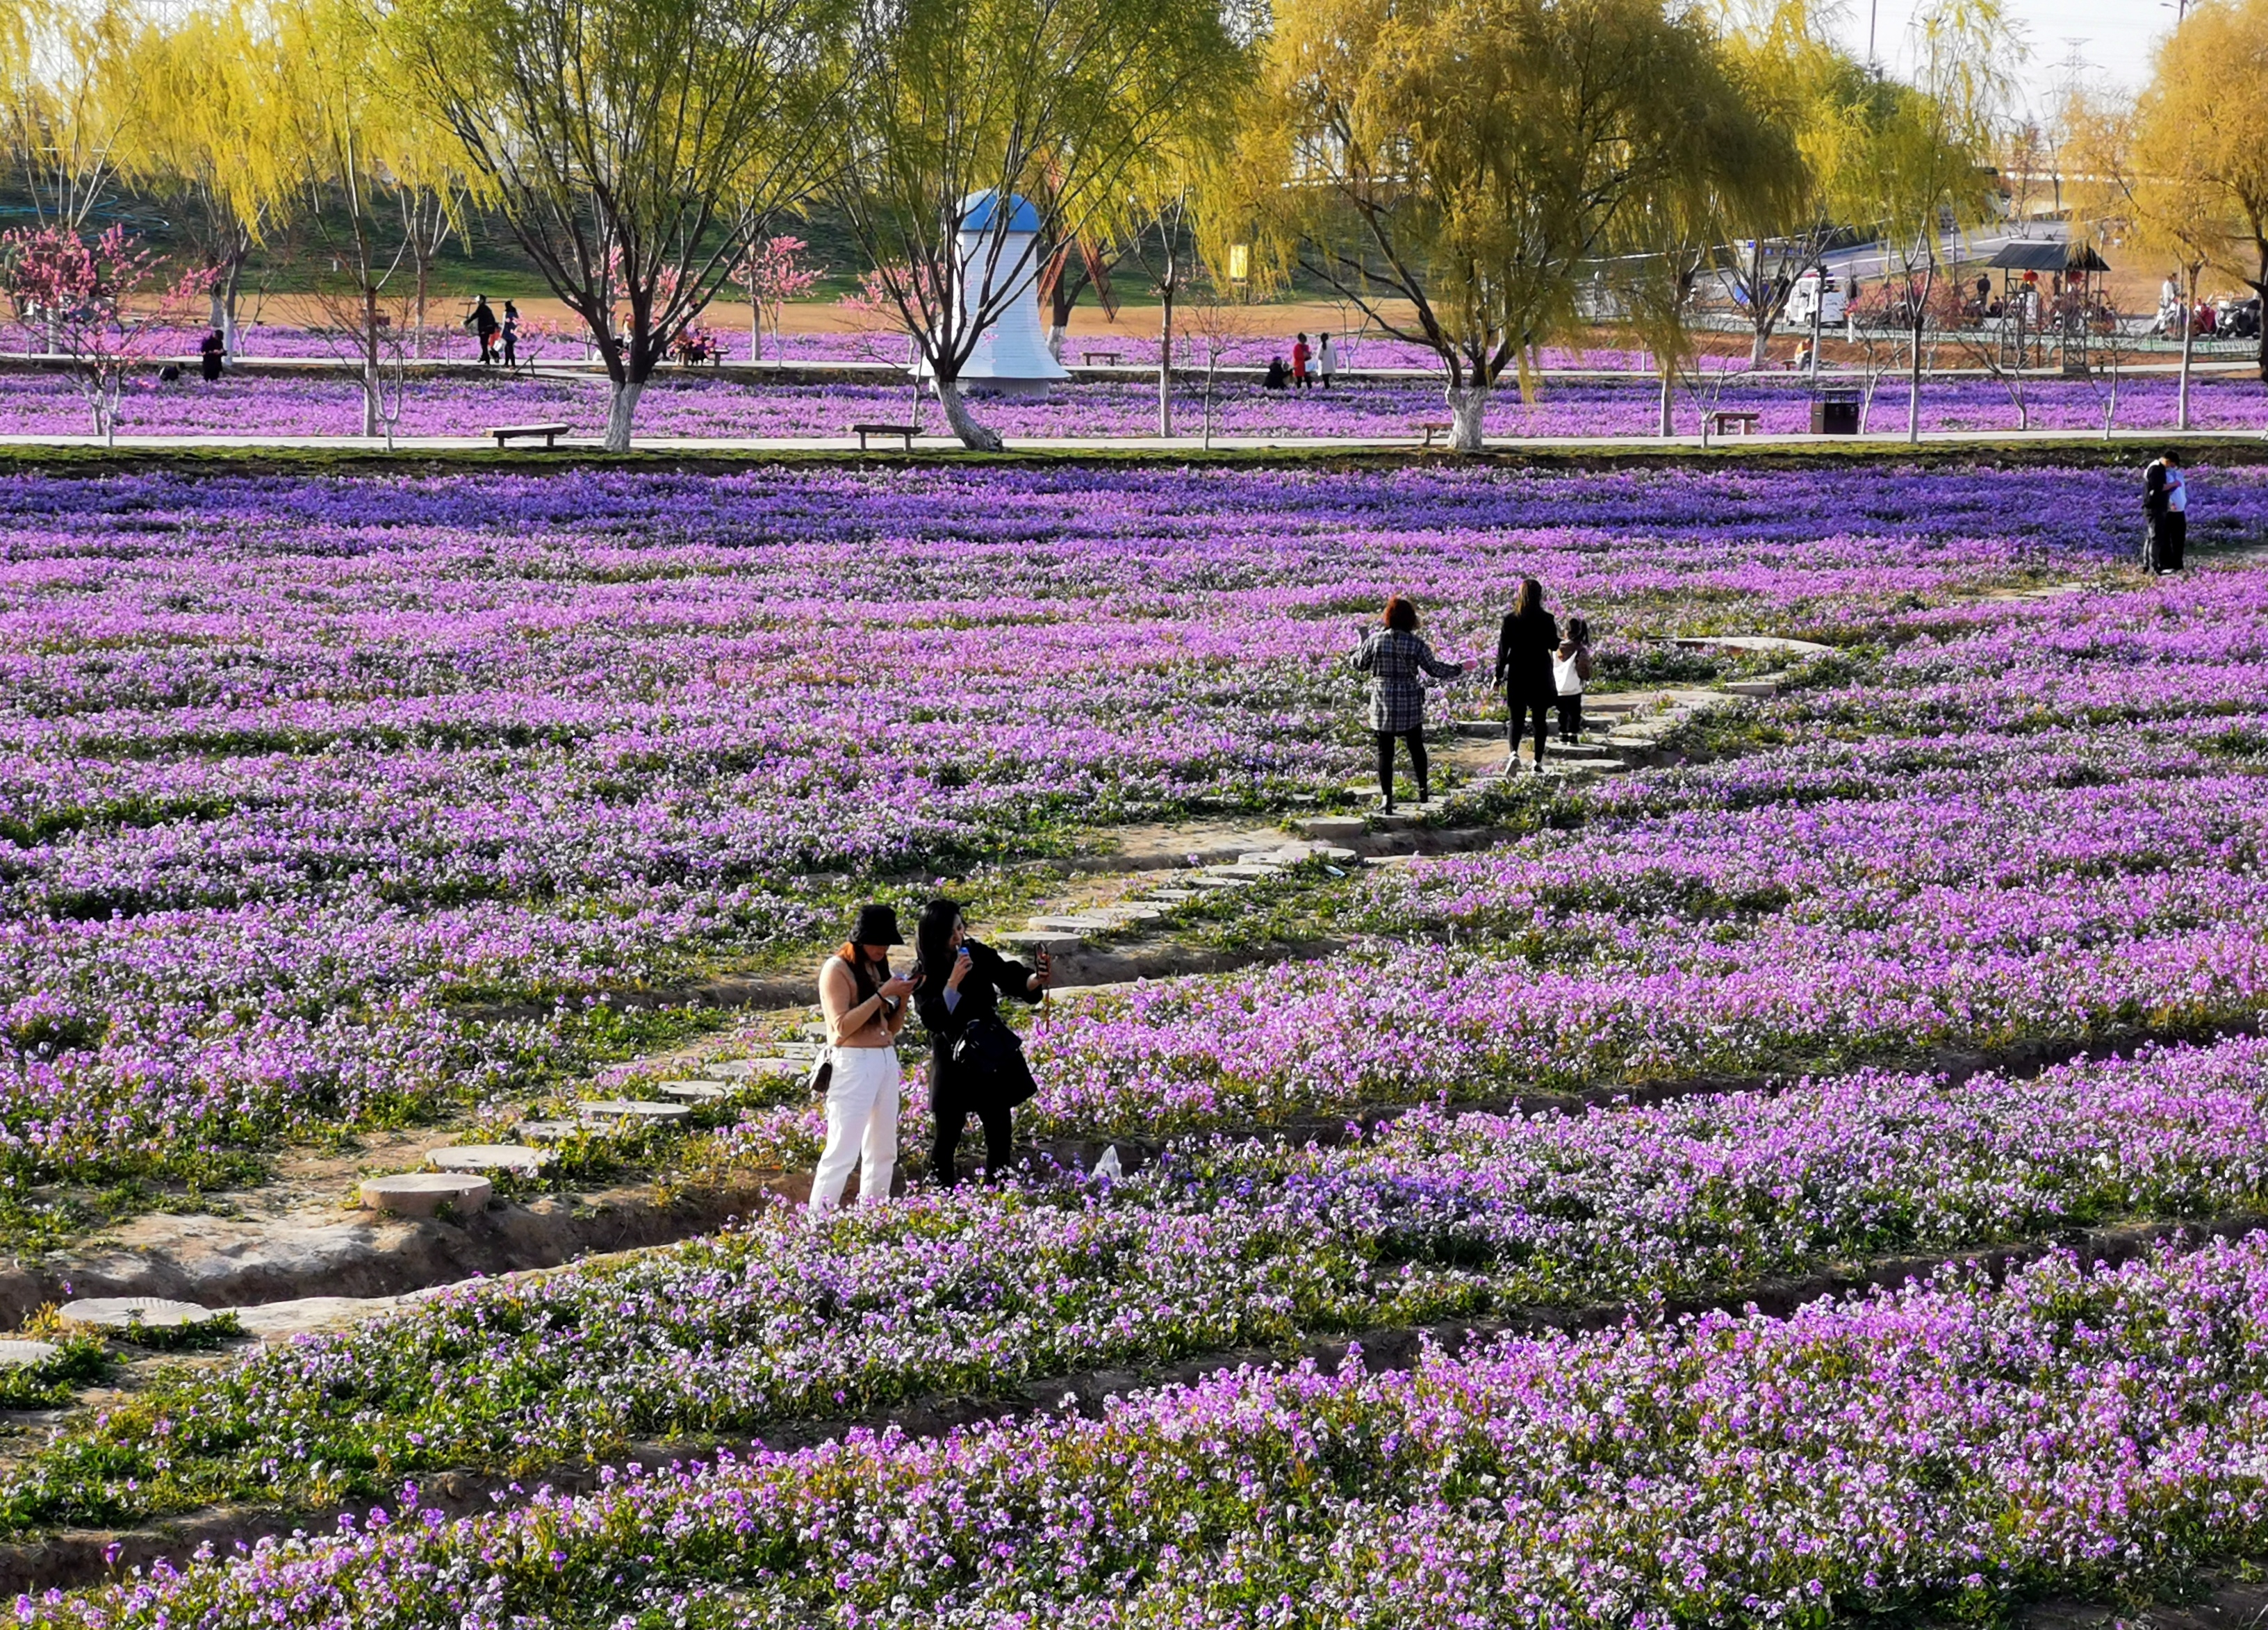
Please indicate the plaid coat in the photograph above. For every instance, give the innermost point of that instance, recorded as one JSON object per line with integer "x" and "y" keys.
{"x": 1394, "y": 658}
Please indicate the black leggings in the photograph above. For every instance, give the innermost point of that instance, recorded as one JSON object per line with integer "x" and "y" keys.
{"x": 1416, "y": 740}
{"x": 945, "y": 1141}
{"x": 1523, "y": 709}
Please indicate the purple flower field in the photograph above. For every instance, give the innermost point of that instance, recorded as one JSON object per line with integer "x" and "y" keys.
{"x": 1955, "y": 1447}
{"x": 293, "y": 767}
{"x": 693, "y": 405}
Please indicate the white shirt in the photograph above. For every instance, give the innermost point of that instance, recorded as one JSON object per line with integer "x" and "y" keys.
{"x": 1566, "y": 676}
{"x": 1327, "y": 357}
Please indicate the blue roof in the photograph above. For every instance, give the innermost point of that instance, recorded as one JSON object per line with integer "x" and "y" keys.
{"x": 977, "y": 209}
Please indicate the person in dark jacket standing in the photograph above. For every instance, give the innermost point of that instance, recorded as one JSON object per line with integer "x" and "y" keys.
{"x": 976, "y": 1063}
{"x": 1394, "y": 658}
{"x": 2166, "y": 501}
{"x": 1525, "y": 646}
{"x": 211, "y": 352}
{"x": 483, "y": 322}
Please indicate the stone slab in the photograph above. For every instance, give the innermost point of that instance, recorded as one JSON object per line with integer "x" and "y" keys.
{"x": 551, "y": 1131}
{"x": 18, "y": 1354}
{"x": 307, "y": 1315}
{"x": 632, "y": 1108}
{"x": 693, "y": 1091}
{"x": 463, "y": 1157}
{"x": 423, "y": 1193}
{"x": 1077, "y": 922}
{"x": 1329, "y": 826}
{"x": 125, "y": 1312}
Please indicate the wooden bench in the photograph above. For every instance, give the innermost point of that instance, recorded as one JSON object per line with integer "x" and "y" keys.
{"x": 550, "y": 433}
{"x": 1089, "y": 358}
{"x": 1434, "y": 427}
{"x": 903, "y": 432}
{"x": 1730, "y": 422}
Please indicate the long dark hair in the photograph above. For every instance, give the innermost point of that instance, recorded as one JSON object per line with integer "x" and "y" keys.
{"x": 1401, "y": 613}
{"x": 863, "y": 982}
{"x": 1529, "y": 601}
{"x": 933, "y": 937}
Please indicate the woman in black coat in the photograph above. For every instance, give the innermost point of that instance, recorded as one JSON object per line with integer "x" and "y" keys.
{"x": 1525, "y": 646}
{"x": 976, "y": 1063}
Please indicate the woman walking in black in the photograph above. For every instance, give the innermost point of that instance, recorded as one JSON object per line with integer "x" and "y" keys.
{"x": 976, "y": 1062}
{"x": 1394, "y": 658}
{"x": 1525, "y": 646}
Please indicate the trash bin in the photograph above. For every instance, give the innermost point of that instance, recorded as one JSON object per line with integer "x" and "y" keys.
{"x": 1835, "y": 414}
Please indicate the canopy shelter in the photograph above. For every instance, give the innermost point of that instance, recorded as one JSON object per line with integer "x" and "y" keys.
{"x": 2047, "y": 290}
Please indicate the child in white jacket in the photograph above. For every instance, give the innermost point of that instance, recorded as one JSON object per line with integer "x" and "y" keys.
{"x": 1571, "y": 669}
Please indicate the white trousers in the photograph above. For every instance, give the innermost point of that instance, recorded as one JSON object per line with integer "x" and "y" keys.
{"x": 862, "y": 1128}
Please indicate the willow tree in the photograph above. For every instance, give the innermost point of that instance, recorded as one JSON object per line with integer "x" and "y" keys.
{"x": 1919, "y": 171}
{"x": 337, "y": 122}
{"x": 208, "y": 148}
{"x": 65, "y": 108}
{"x": 1457, "y": 168}
{"x": 1798, "y": 82}
{"x": 956, "y": 103}
{"x": 637, "y": 149}
{"x": 2198, "y": 133}
{"x": 2146, "y": 179}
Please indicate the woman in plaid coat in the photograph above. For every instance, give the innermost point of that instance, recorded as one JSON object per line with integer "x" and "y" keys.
{"x": 1394, "y": 658}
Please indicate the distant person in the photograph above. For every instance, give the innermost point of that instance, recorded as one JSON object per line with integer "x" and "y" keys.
{"x": 864, "y": 1007}
{"x": 1327, "y": 360}
{"x": 1525, "y": 646}
{"x": 511, "y": 333}
{"x": 1300, "y": 357}
{"x": 2169, "y": 306}
{"x": 1396, "y": 658}
{"x": 483, "y": 322}
{"x": 1277, "y": 377}
{"x": 976, "y": 1063}
{"x": 1570, "y": 671}
{"x": 210, "y": 351}
{"x": 2166, "y": 501}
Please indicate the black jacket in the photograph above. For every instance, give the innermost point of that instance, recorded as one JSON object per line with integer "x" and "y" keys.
{"x": 990, "y": 977}
{"x": 2153, "y": 487}
{"x": 1524, "y": 648}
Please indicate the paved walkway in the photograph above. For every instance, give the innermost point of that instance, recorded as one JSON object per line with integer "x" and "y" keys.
{"x": 1566, "y": 446}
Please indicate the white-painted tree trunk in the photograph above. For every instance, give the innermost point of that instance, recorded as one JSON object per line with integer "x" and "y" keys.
{"x": 2188, "y": 340}
{"x": 369, "y": 397}
{"x": 756, "y": 330}
{"x": 620, "y": 404}
{"x": 974, "y": 436}
{"x": 1667, "y": 424}
{"x": 1467, "y": 410}
{"x": 1166, "y": 365}
{"x": 1056, "y": 332}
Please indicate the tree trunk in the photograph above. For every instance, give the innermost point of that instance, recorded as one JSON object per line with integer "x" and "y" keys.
{"x": 755, "y": 329}
{"x": 370, "y": 416}
{"x": 1166, "y": 363}
{"x": 229, "y": 288}
{"x": 974, "y": 436}
{"x": 1913, "y": 388}
{"x": 419, "y": 344}
{"x": 620, "y": 404}
{"x": 1467, "y": 406}
{"x": 1667, "y": 425}
{"x": 2188, "y": 340}
{"x": 1056, "y": 332}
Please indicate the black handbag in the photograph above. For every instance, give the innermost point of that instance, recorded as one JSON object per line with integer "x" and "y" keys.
{"x": 988, "y": 1062}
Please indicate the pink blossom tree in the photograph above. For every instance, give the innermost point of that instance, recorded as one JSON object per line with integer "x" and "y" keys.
{"x": 773, "y": 273}
{"x": 101, "y": 306}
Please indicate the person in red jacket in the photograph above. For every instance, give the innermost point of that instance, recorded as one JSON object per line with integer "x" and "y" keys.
{"x": 1300, "y": 357}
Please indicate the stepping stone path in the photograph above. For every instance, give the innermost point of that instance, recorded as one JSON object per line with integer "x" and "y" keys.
{"x": 633, "y": 1109}
{"x": 20, "y": 1354}
{"x": 695, "y": 1091}
{"x": 423, "y": 1193}
{"x": 514, "y": 1158}
{"x": 134, "y": 1312}
{"x": 551, "y": 1131}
